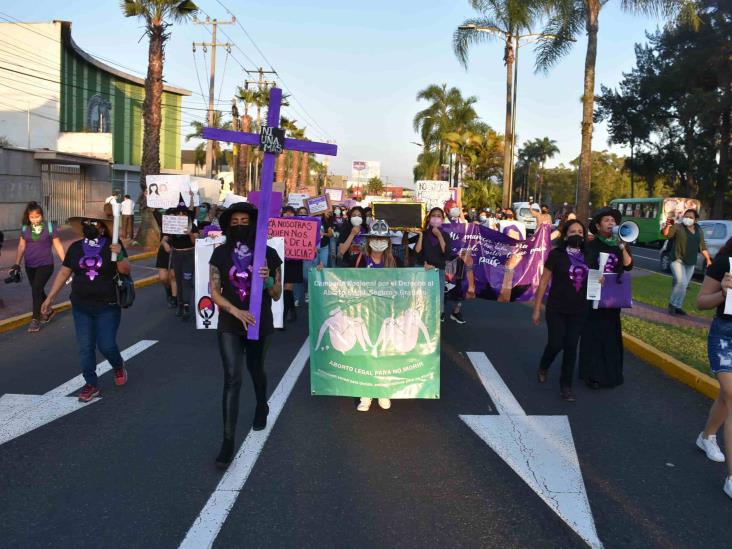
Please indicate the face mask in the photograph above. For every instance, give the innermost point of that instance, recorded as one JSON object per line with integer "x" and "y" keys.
{"x": 575, "y": 241}
{"x": 454, "y": 212}
{"x": 687, "y": 221}
{"x": 483, "y": 219}
{"x": 90, "y": 232}
{"x": 379, "y": 245}
{"x": 436, "y": 221}
{"x": 239, "y": 233}
{"x": 337, "y": 212}
{"x": 356, "y": 221}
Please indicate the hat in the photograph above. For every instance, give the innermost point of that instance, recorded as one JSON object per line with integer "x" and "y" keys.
{"x": 603, "y": 212}
{"x": 94, "y": 214}
{"x": 245, "y": 207}
{"x": 380, "y": 228}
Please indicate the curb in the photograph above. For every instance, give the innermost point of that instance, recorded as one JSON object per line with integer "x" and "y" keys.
{"x": 21, "y": 320}
{"x": 698, "y": 381}
{"x": 143, "y": 255}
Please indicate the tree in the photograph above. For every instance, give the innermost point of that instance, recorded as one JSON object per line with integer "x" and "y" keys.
{"x": 374, "y": 186}
{"x": 545, "y": 149}
{"x": 197, "y": 133}
{"x": 566, "y": 19}
{"x": 157, "y": 15}
{"x": 481, "y": 194}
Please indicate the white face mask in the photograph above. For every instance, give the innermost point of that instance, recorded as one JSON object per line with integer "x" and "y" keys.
{"x": 356, "y": 221}
{"x": 483, "y": 218}
{"x": 379, "y": 245}
{"x": 454, "y": 212}
{"x": 687, "y": 221}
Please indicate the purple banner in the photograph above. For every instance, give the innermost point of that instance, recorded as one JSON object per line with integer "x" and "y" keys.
{"x": 504, "y": 269}
{"x": 616, "y": 292}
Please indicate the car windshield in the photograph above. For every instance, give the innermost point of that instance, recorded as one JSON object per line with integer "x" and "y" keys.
{"x": 715, "y": 231}
{"x": 524, "y": 212}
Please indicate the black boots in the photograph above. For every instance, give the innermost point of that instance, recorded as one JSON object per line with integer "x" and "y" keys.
{"x": 290, "y": 313}
{"x": 260, "y": 417}
{"x": 226, "y": 454}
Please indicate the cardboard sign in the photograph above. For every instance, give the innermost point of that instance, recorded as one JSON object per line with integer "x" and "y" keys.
{"x": 272, "y": 140}
{"x": 275, "y": 202}
{"x": 297, "y": 200}
{"x": 301, "y": 235}
{"x": 433, "y": 193}
{"x": 175, "y": 224}
{"x": 231, "y": 199}
{"x": 317, "y": 205}
{"x": 335, "y": 195}
{"x": 164, "y": 191}
{"x": 400, "y": 215}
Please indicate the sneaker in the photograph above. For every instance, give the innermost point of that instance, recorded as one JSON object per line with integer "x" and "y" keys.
{"x": 89, "y": 393}
{"x": 710, "y": 447}
{"x": 34, "y": 326}
{"x": 364, "y": 405}
{"x": 681, "y": 312}
{"x": 728, "y": 486}
{"x": 542, "y": 375}
{"x": 671, "y": 310}
{"x": 120, "y": 376}
{"x": 458, "y": 317}
{"x": 45, "y": 319}
{"x": 384, "y": 403}
{"x": 568, "y": 395}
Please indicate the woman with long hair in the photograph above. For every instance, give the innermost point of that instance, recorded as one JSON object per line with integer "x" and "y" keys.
{"x": 433, "y": 249}
{"x": 566, "y": 307}
{"x": 350, "y": 239}
{"x": 38, "y": 240}
{"x": 713, "y": 294}
{"x": 231, "y": 272}
{"x": 93, "y": 297}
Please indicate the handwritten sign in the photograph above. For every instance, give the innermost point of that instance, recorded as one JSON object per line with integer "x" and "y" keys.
{"x": 272, "y": 140}
{"x": 433, "y": 193}
{"x": 275, "y": 202}
{"x": 317, "y": 205}
{"x": 297, "y": 199}
{"x": 175, "y": 224}
{"x": 164, "y": 191}
{"x": 335, "y": 195}
{"x": 301, "y": 234}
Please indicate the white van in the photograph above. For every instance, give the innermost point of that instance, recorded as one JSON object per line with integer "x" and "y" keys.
{"x": 522, "y": 210}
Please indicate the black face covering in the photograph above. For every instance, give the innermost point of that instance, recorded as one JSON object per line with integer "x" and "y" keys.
{"x": 575, "y": 241}
{"x": 239, "y": 233}
{"x": 90, "y": 232}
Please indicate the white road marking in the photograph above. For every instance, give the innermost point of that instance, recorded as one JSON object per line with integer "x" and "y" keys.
{"x": 208, "y": 524}
{"x": 20, "y": 414}
{"x": 540, "y": 449}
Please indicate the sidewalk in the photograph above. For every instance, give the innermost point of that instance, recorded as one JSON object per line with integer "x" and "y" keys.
{"x": 656, "y": 314}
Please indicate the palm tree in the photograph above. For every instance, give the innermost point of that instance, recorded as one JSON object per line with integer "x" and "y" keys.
{"x": 545, "y": 149}
{"x": 507, "y": 19}
{"x": 567, "y": 18}
{"x": 157, "y": 15}
{"x": 197, "y": 133}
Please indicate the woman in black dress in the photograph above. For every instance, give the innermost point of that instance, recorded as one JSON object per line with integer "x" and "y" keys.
{"x": 601, "y": 349}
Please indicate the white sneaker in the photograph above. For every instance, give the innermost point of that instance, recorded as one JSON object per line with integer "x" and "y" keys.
{"x": 364, "y": 404}
{"x": 710, "y": 447}
{"x": 728, "y": 486}
{"x": 384, "y": 403}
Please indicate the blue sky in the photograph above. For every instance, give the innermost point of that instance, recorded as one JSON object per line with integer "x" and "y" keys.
{"x": 355, "y": 67}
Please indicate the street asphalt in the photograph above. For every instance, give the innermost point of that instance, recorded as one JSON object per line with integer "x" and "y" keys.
{"x": 136, "y": 468}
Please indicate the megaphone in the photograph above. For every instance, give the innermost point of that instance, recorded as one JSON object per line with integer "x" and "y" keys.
{"x": 627, "y": 231}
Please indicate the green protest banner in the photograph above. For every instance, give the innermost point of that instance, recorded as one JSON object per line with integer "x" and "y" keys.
{"x": 375, "y": 333}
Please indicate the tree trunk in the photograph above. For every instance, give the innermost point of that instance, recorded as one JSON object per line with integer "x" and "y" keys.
{"x": 588, "y": 105}
{"x": 508, "y": 59}
{"x": 149, "y": 232}
{"x": 720, "y": 191}
{"x": 281, "y": 165}
{"x": 303, "y": 170}
{"x": 294, "y": 167}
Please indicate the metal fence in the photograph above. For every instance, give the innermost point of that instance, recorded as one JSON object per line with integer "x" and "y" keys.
{"x": 63, "y": 191}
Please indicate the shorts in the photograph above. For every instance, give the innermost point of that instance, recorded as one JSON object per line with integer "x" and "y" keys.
{"x": 163, "y": 259}
{"x": 719, "y": 346}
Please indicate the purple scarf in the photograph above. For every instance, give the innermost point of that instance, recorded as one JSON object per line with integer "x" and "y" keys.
{"x": 578, "y": 269}
{"x": 240, "y": 272}
{"x": 91, "y": 262}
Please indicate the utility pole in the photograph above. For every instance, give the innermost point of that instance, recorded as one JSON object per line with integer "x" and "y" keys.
{"x": 213, "y": 44}
{"x": 262, "y": 84}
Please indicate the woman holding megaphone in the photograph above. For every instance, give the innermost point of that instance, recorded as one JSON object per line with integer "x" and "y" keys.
{"x": 601, "y": 348}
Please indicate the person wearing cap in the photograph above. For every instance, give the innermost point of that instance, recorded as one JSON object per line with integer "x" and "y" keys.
{"x": 181, "y": 248}
{"x": 601, "y": 346}
{"x": 93, "y": 297}
{"x": 231, "y": 272}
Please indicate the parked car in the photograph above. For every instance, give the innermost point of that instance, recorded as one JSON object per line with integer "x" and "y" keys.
{"x": 522, "y": 210}
{"x": 716, "y": 233}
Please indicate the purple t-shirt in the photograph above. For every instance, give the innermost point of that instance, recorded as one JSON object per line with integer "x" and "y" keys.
{"x": 38, "y": 252}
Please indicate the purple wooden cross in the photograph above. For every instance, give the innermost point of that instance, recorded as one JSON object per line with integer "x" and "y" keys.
{"x": 267, "y": 178}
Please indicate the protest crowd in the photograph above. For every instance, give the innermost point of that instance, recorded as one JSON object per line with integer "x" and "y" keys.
{"x": 575, "y": 271}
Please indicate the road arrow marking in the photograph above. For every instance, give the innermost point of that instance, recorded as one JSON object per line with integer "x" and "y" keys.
{"x": 20, "y": 414}
{"x": 540, "y": 449}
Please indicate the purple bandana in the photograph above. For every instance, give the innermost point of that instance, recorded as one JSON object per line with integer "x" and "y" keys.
{"x": 578, "y": 269}
{"x": 91, "y": 262}
{"x": 240, "y": 273}
{"x": 612, "y": 262}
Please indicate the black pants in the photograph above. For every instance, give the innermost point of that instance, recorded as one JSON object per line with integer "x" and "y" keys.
{"x": 233, "y": 347}
{"x": 38, "y": 277}
{"x": 564, "y": 334}
{"x": 183, "y": 263}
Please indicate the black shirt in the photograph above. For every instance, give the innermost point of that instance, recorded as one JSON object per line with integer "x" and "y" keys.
{"x": 93, "y": 284}
{"x": 716, "y": 270}
{"x": 431, "y": 252}
{"x": 568, "y": 293}
{"x": 350, "y": 256}
{"x": 325, "y": 224}
{"x": 221, "y": 259}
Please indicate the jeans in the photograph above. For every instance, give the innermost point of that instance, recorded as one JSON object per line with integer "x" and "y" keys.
{"x": 96, "y": 327}
{"x": 564, "y": 335}
{"x": 233, "y": 347}
{"x": 38, "y": 277}
{"x": 681, "y": 274}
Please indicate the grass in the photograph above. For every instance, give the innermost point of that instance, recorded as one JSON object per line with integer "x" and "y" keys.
{"x": 689, "y": 345}
{"x": 655, "y": 289}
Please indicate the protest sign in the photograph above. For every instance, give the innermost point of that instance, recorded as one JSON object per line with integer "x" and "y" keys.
{"x": 375, "y": 333}
{"x": 231, "y": 199}
{"x": 297, "y": 199}
{"x": 433, "y": 193}
{"x": 164, "y": 191}
{"x": 175, "y": 224}
{"x": 317, "y": 205}
{"x": 505, "y": 269}
{"x": 275, "y": 202}
{"x": 301, "y": 235}
{"x": 207, "y": 313}
{"x": 335, "y": 195}
{"x": 400, "y": 215}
